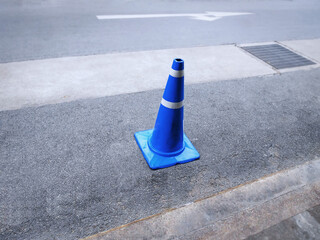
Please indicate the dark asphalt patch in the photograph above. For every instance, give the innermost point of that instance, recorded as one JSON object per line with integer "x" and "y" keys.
{"x": 74, "y": 169}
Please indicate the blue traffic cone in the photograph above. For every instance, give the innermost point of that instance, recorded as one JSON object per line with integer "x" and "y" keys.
{"x": 166, "y": 144}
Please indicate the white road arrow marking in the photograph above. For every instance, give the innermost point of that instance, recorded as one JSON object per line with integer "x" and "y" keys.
{"x": 207, "y": 16}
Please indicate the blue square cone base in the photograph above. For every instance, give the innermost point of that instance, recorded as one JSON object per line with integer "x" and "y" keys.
{"x": 156, "y": 161}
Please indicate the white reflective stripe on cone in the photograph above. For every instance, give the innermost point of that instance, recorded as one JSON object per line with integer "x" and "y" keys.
{"x": 172, "y": 105}
{"x": 176, "y": 73}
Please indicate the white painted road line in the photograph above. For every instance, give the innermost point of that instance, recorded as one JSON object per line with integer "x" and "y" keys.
{"x": 207, "y": 16}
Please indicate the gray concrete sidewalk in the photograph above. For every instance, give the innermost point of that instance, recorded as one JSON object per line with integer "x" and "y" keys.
{"x": 73, "y": 169}
{"x": 35, "y": 83}
{"x": 41, "y": 82}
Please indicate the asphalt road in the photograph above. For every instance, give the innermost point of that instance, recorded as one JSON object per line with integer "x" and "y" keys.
{"x": 53, "y": 28}
{"x": 74, "y": 169}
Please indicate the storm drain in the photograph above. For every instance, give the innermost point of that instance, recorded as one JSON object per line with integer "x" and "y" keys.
{"x": 277, "y": 56}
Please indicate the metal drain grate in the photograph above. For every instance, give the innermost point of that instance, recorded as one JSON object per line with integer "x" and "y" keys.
{"x": 278, "y": 56}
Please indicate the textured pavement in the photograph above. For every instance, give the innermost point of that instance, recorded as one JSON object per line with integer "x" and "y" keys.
{"x": 73, "y": 169}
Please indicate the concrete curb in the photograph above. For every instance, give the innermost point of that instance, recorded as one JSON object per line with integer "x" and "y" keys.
{"x": 233, "y": 214}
